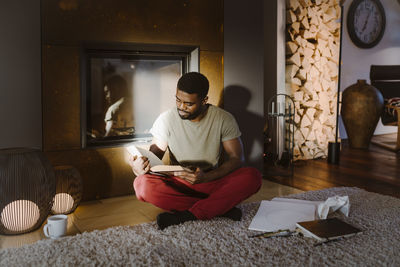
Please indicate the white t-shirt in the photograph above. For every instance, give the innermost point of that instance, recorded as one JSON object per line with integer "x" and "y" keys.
{"x": 120, "y": 113}
{"x": 196, "y": 143}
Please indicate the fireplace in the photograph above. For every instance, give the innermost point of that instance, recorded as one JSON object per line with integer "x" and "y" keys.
{"x": 124, "y": 87}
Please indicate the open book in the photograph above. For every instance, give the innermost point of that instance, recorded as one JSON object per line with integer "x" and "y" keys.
{"x": 328, "y": 229}
{"x": 156, "y": 165}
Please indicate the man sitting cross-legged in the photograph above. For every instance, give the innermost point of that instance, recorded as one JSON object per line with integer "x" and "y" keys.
{"x": 196, "y": 133}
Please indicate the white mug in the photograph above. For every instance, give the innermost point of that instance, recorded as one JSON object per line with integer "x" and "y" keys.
{"x": 56, "y": 226}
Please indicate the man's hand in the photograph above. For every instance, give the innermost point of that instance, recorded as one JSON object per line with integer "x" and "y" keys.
{"x": 193, "y": 177}
{"x": 140, "y": 165}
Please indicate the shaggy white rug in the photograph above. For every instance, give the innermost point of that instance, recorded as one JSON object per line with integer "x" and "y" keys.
{"x": 222, "y": 242}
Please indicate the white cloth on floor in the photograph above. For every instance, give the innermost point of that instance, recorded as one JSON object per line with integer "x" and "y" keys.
{"x": 333, "y": 204}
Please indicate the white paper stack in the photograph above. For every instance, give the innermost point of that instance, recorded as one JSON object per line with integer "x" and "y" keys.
{"x": 283, "y": 214}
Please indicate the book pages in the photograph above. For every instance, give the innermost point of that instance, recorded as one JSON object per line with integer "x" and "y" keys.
{"x": 166, "y": 168}
{"x": 138, "y": 151}
{"x": 156, "y": 165}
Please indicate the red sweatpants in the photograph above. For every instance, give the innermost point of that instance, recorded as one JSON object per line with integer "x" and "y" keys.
{"x": 221, "y": 195}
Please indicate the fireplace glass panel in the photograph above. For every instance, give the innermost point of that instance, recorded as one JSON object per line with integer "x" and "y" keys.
{"x": 127, "y": 95}
{"x": 126, "y": 86}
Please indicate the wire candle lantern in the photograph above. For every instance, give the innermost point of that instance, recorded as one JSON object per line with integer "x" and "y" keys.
{"x": 27, "y": 189}
{"x": 68, "y": 190}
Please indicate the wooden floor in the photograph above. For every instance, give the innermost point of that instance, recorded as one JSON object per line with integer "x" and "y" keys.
{"x": 376, "y": 170}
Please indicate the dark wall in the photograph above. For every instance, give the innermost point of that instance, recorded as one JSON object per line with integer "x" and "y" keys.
{"x": 244, "y": 52}
{"x": 20, "y": 74}
{"x": 66, "y": 24}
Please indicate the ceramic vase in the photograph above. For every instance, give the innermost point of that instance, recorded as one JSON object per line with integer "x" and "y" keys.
{"x": 362, "y": 106}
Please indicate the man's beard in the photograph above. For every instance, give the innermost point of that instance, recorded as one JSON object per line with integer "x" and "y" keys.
{"x": 190, "y": 116}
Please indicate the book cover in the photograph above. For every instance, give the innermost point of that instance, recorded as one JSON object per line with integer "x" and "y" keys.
{"x": 328, "y": 229}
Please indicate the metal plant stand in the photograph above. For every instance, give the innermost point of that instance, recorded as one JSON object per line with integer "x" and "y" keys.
{"x": 279, "y": 136}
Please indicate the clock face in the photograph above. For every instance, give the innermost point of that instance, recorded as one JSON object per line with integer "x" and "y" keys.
{"x": 366, "y": 22}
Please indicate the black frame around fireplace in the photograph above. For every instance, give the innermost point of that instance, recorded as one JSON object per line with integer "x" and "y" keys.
{"x": 114, "y": 57}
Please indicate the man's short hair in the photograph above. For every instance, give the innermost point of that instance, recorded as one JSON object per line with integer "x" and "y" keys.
{"x": 194, "y": 83}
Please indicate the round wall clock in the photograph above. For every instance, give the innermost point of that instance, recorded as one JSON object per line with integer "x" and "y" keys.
{"x": 366, "y": 22}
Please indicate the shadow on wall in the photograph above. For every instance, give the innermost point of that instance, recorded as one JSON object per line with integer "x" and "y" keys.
{"x": 236, "y": 101}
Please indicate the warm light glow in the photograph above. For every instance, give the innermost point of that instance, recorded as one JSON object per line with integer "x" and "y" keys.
{"x": 20, "y": 215}
{"x": 63, "y": 203}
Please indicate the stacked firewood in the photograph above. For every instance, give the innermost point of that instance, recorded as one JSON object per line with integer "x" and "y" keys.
{"x": 312, "y": 52}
